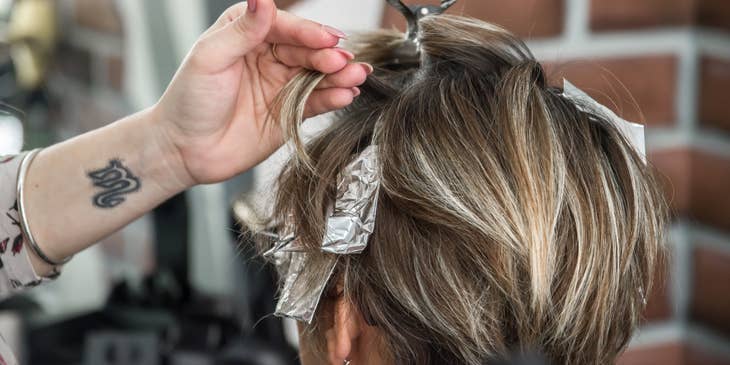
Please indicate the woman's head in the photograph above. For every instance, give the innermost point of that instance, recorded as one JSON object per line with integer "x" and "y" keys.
{"x": 508, "y": 219}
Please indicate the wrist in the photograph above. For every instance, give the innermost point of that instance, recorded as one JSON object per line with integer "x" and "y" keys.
{"x": 173, "y": 173}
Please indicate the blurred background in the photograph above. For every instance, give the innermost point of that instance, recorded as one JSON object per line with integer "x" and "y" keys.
{"x": 173, "y": 288}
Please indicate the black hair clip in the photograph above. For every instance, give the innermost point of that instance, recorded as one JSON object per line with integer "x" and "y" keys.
{"x": 410, "y": 51}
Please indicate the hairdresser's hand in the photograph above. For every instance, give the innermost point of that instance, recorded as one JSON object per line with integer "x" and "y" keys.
{"x": 215, "y": 110}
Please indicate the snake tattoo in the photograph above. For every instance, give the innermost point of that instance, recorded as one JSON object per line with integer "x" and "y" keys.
{"x": 117, "y": 181}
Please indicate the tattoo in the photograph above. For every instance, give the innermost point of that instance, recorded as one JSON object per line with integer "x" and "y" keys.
{"x": 117, "y": 181}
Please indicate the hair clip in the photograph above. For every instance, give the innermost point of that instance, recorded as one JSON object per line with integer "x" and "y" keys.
{"x": 410, "y": 51}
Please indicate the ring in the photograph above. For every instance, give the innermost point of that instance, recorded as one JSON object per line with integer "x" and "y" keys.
{"x": 273, "y": 52}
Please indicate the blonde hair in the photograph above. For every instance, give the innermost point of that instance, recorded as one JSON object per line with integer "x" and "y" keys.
{"x": 508, "y": 218}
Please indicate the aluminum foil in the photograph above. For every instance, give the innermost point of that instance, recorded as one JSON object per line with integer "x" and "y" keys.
{"x": 633, "y": 132}
{"x": 289, "y": 261}
{"x": 286, "y": 243}
{"x": 352, "y": 219}
{"x": 297, "y": 300}
{"x": 302, "y": 290}
{"x": 349, "y": 226}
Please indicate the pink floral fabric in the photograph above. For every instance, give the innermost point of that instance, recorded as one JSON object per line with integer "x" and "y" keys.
{"x": 16, "y": 271}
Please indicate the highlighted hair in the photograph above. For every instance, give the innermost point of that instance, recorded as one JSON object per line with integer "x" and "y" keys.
{"x": 508, "y": 218}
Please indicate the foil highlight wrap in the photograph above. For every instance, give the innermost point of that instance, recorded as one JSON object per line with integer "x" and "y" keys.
{"x": 297, "y": 299}
{"x": 633, "y": 132}
{"x": 352, "y": 219}
{"x": 350, "y": 223}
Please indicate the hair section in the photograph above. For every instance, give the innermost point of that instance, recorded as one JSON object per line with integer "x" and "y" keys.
{"x": 508, "y": 219}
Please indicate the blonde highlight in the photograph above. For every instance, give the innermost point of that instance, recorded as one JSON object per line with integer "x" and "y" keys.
{"x": 508, "y": 219}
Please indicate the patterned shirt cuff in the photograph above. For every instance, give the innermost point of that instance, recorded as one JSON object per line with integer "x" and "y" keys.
{"x": 16, "y": 270}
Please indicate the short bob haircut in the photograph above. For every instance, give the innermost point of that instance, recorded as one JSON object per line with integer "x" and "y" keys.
{"x": 508, "y": 218}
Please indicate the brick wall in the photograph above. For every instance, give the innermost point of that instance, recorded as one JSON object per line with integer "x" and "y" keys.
{"x": 671, "y": 58}
{"x": 86, "y": 82}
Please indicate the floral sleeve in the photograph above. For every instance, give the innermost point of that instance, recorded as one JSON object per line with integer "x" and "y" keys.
{"x": 16, "y": 271}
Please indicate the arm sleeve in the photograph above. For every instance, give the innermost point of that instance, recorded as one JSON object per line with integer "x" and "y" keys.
{"x": 16, "y": 270}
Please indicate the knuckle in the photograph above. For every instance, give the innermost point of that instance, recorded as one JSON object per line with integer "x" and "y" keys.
{"x": 242, "y": 26}
{"x": 340, "y": 80}
{"x": 199, "y": 51}
{"x": 318, "y": 62}
{"x": 247, "y": 31}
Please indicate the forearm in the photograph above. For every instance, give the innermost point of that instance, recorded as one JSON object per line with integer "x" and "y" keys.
{"x": 82, "y": 190}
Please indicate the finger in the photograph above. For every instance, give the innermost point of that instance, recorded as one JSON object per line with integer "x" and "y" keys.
{"x": 229, "y": 15}
{"x": 327, "y": 100}
{"x": 223, "y": 47}
{"x": 328, "y": 60}
{"x": 293, "y": 30}
{"x": 351, "y": 76}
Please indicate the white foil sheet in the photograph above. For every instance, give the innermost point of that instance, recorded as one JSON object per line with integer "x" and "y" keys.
{"x": 633, "y": 132}
{"x": 352, "y": 219}
{"x": 349, "y": 226}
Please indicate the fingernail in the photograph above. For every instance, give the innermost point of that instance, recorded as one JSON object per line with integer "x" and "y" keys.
{"x": 356, "y": 91}
{"x": 335, "y": 32}
{"x": 347, "y": 54}
{"x": 368, "y": 68}
{"x": 252, "y": 5}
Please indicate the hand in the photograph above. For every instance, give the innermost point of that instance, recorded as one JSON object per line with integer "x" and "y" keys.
{"x": 215, "y": 110}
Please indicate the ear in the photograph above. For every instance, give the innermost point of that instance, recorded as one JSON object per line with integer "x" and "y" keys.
{"x": 345, "y": 332}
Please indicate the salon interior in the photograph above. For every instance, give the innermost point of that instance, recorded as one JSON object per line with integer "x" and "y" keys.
{"x": 182, "y": 286}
